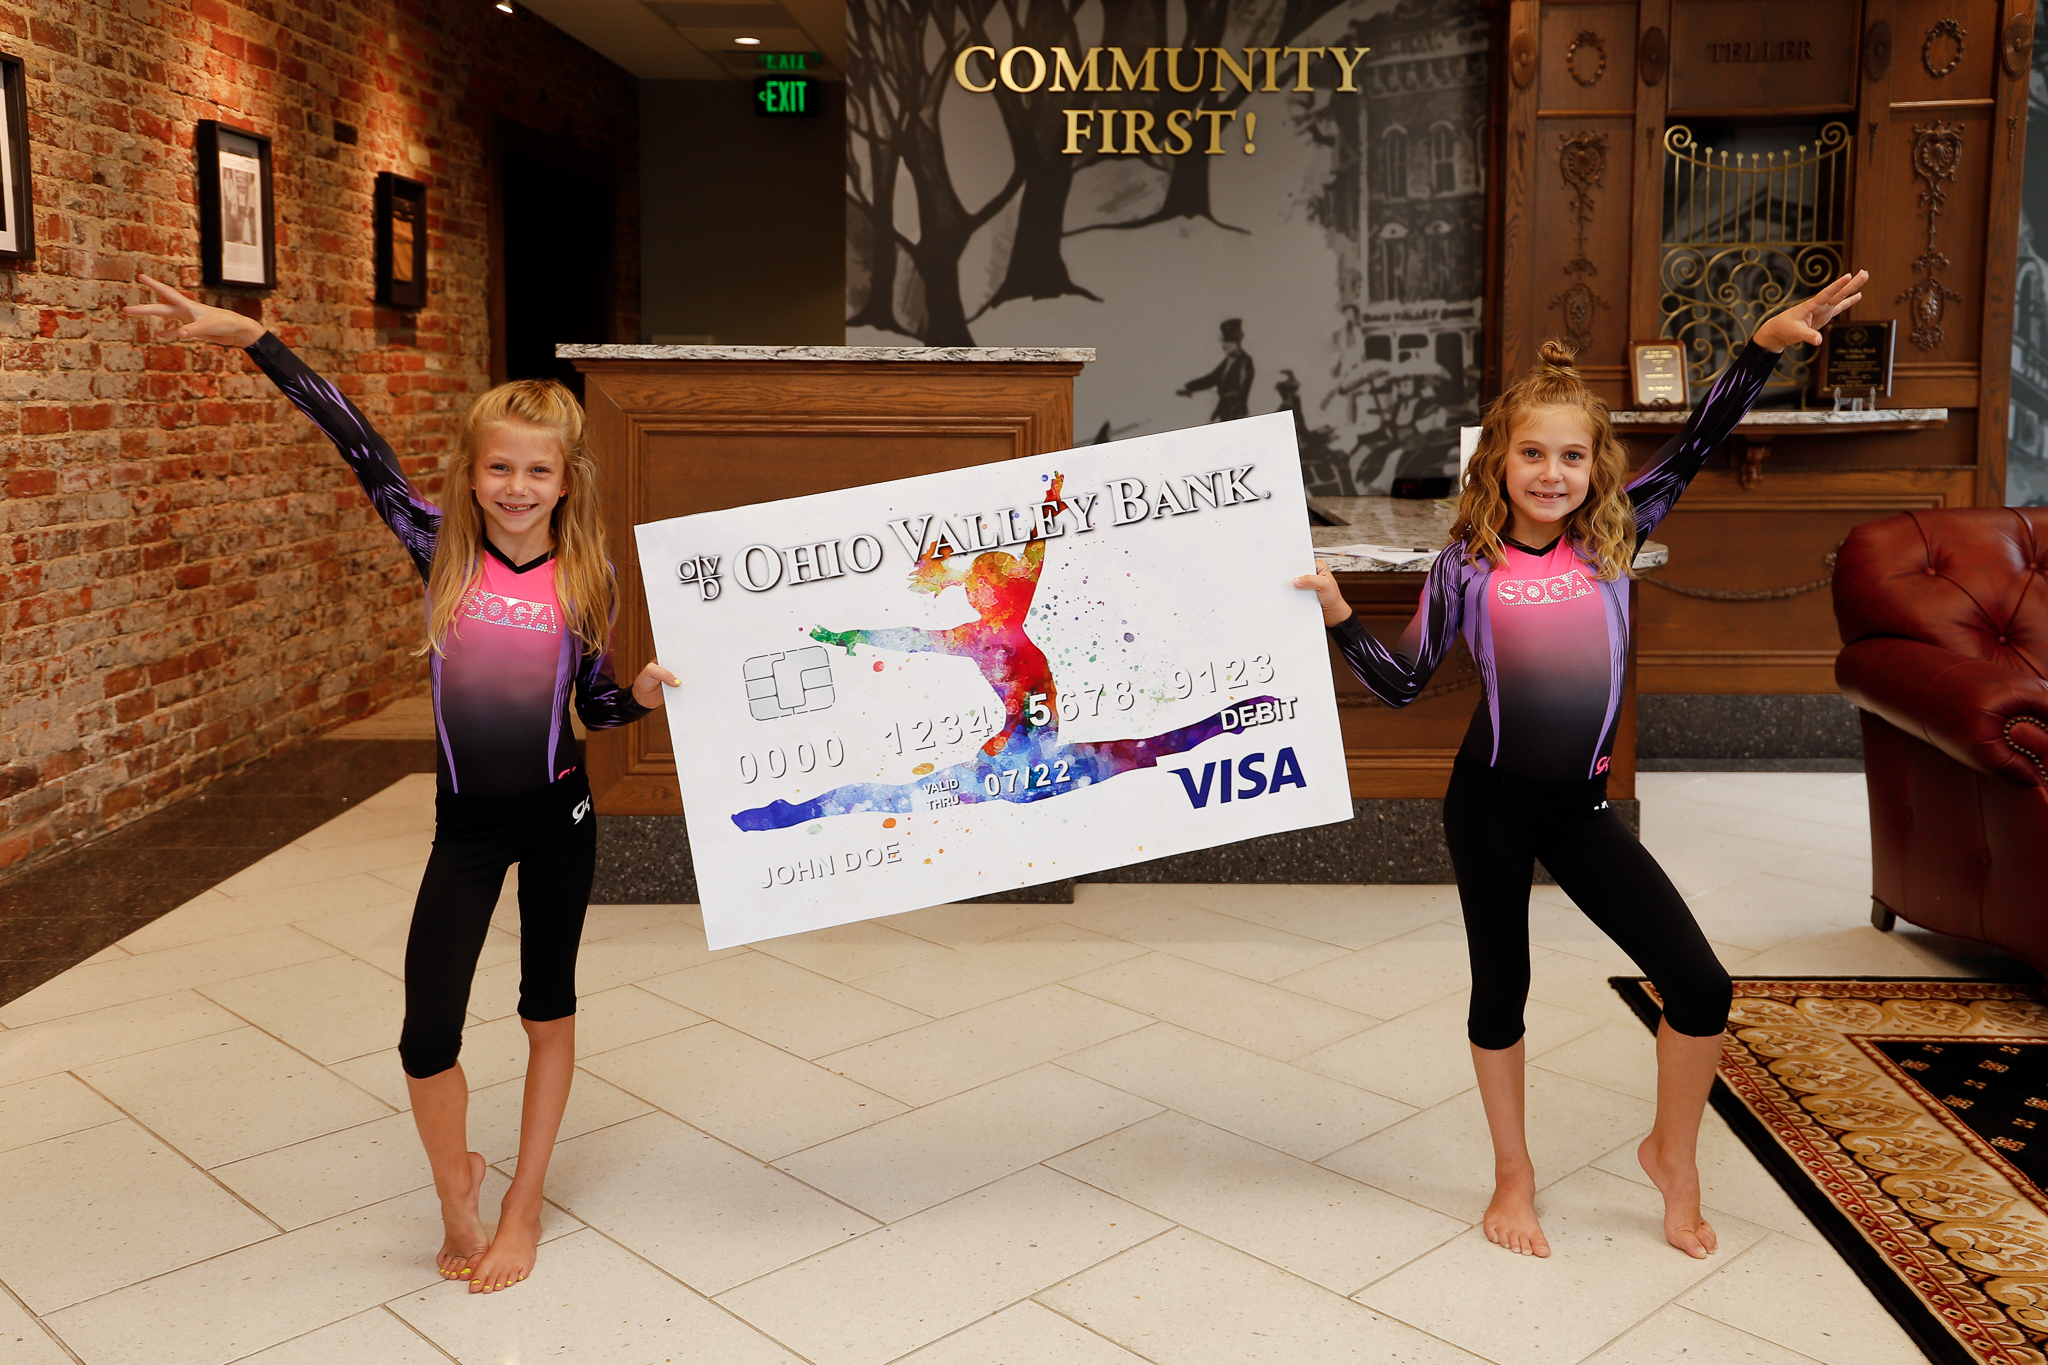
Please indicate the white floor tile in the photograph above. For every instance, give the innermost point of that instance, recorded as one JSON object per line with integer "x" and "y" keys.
{"x": 366, "y": 823}
{"x": 850, "y": 950}
{"x": 81, "y": 1040}
{"x": 1697, "y": 861}
{"x": 1423, "y": 1057}
{"x": 1678, "y": 1336}
{"x": 1024, "y": 1334}
{"x": 902, "y": 1165}
{"x": 1806, "y": 835}
{"x": 759, "y": 1099}
{"x": 609, "y": 921}
{"x": 47, "y": 1108}
{"x": 376, "y": 934}
{"x": 1328, "y": 1229}
{"x": 1283, "y": 1106}
{"x": 1827, "y": 869}
{"x": 327, "y": 1176}
{"x": 1173, "y": 926}
{"x": 294, "y": 866}
{"x": 784, "y": 1006}
{"x": 372, "y": 1338}
{"x": 106, "y": 984}
{"x": 1618, "y": 1056}
{"x": 946, "y": 1268}
{"x": 217, "y": 916}
{"x": 1183, "y": 1299}
{"x": 593, "y": 1105}
{"x": 974, "y": 1047}
{"x": 1395, "y": 976}
{"x": 1804, "y": 1297}
{"x": 1609, "y": 1268}
{"x": 1765, "y": 909}
{"x": 493, "y": 1051}
{"x": 1443, "y": 1157}
{"x": 1578, "y": 984}
{"x": 1250, "y": 1014}
{"x": 92, "y": 1211}
{"x": 23, "y": 1341}
{"x": 706, "y": 1213}
{"x": 987, "y": 972}
{"x": 603, "y": 964}
{"x": 245, "y": 1301}
{"x": 963, "y": 926}
{"x": 1838, "y": 952}
{"x": 589, "y": 1301}
{"x": 1348, "y": 916}
{"x": 626, "y": 1014}
{"x": 231, "y": 1095}
{"x": 330, "y": 1009}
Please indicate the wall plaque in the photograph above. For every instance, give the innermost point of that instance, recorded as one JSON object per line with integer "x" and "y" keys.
{"x": 1656, "y": 371}
{"x": 1858, "y": 355}
{"x": 1733, "y": 55}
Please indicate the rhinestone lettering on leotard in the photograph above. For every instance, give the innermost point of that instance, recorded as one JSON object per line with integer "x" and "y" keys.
{"x": 1537, "y": 592}
{"x": 492, "y": 609}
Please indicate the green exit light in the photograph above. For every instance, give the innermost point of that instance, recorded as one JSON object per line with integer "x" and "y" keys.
{"x": 783, "y": 96}
{"x": 788, "y": 61}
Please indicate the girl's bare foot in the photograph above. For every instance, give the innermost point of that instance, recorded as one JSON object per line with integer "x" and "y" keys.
{"x": 512, "y": 1252}
{"x": 1679, "y": 1183}
{"x": 465, "y": 1240}
{"x": 1511, "y": 1217}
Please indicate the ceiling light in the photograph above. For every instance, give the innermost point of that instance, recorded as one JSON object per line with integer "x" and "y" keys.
{"x": 505, "y": 6}
{"x": 748, "y": 42}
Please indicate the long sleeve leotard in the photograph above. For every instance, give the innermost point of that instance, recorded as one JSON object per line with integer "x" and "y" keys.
{"x": 1549, "y": 637}
{"x": 503, "y": 680}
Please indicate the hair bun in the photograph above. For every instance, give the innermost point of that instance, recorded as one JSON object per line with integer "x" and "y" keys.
{"x": 1556, "y": 354}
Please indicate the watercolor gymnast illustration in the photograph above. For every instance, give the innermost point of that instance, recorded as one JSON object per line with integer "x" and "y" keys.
{"x": 1024, "y": 760}
{"x": 1536, "y": 580}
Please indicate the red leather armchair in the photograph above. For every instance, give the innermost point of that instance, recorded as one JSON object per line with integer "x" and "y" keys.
{"x": 1944, "y": 621}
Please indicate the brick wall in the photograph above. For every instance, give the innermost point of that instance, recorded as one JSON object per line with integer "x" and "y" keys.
{"x": 192, "y": 580}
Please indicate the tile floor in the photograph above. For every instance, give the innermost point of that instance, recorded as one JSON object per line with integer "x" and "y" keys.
{"x": 1189, "y": 1125}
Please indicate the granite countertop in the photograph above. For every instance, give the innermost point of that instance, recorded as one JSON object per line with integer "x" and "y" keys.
{"x": 986, "y": 355}
{"x": 1419, "y": 524}
{"x": 1792, "y": 417}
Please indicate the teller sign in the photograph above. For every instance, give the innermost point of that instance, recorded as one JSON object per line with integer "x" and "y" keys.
{"x": 969, "y": 682}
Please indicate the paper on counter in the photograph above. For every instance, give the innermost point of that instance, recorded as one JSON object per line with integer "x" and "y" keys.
{"x": 1395, "y": 556}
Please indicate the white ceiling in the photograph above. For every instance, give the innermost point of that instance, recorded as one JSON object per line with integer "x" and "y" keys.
{"x": 684, "y": 40}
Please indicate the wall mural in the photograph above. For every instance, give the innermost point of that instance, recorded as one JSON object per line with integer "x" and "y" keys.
{"x": 1246, "y": 206}
{"x": 2026, "y": 451}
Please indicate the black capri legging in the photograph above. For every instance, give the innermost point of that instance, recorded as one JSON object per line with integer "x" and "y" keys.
{"x": 1496, "y": 826}
{"x": 552, "y": 835}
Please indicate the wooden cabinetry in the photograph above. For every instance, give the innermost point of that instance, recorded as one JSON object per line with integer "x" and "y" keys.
{"x": 682, "y": 429}
{"x": 1882, "y": 134}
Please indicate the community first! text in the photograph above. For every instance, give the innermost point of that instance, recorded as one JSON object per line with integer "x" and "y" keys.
{"x": 1181, "y": 123}
{"x": 758, "y": 568}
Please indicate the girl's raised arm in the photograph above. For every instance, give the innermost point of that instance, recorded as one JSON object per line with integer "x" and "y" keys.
{"x": 369, "y": 455}
{"x": 1657, "y": 487}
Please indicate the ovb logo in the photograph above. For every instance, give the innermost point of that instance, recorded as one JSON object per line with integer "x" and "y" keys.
{"x": 703, "y": 571}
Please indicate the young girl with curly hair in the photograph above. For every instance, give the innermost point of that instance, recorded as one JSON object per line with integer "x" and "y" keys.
{"x": 520, "y": 601}
{"x": 1535, "y": 580}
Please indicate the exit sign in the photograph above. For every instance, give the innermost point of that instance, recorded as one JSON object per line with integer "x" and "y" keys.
{"x": 788, "y": 61}
{"x": 784, "y": 96}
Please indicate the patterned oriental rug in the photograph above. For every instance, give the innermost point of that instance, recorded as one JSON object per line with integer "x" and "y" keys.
{"x": 1909, "y": 1121}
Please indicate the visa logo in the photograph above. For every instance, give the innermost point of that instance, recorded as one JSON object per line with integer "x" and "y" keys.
{"x": 1249, "y": 780}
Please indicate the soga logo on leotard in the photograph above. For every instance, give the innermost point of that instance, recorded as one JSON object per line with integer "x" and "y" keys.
{"x": 1533, "y": 592}
{"x": 510, "y": 611}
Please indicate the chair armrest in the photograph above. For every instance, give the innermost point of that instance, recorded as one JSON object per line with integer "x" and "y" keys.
{"x": 1982, "y": 714}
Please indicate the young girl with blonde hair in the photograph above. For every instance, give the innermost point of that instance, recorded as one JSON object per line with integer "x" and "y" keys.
{"x": 520, "y": 601}
{"x": 1535, "y": 580}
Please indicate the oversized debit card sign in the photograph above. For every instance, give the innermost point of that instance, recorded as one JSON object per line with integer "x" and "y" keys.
{"x": 940, "y": 687}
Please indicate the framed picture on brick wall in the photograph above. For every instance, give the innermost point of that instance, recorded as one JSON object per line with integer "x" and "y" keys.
{"x": 401, "y": 241}
{"x": 17, "y": 204}
{"x": 235, "y": 246}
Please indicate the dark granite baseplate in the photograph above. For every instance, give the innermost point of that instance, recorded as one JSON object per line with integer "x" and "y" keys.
{"x": 1679, "y": 733}
{"x": 63, "y": 908}
{"x": 645, "y": 859}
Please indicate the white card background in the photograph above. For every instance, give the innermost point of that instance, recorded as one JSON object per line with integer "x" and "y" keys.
{"x": 1149, "y": 628}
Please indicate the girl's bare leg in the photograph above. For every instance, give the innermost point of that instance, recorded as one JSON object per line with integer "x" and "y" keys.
{"x": 1670, "y": 1154}
{"x": 550, "y": 1067}
{"x": 1511, "y": 1216}
{"x": 440, "y": 1110}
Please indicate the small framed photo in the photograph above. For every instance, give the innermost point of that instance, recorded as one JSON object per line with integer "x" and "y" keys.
{"x": 401, "y": 241}
{"x": 235, "y": 245}
{"x": 17, "y": 202}
{"x": 1657, "y": 375}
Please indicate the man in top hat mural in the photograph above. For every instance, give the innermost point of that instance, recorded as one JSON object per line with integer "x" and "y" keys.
{"x": 1232, "y": 378}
